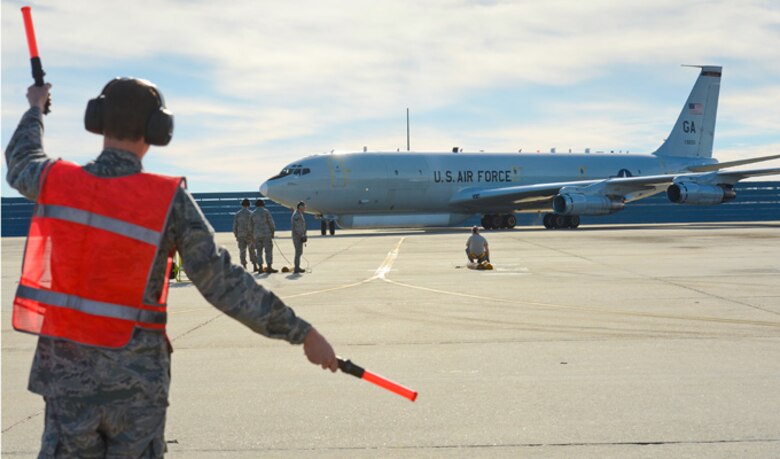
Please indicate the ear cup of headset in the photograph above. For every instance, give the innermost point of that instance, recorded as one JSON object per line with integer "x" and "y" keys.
{"x": 159, "y": 128}
{"x": 93, "y": 116}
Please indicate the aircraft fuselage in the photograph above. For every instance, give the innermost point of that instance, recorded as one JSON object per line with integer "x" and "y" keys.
{"x": 407, "y": 183}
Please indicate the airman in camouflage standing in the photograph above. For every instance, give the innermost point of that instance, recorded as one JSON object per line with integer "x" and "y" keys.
{"x": 242, "y": 230}
{"x": 111, "y": 402}
{"x": 299, "y": 234}
{"x": 263, "y": 229}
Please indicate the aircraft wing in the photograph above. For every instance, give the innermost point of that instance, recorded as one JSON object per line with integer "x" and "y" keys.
{"x": 718, "y": 166}
{"x": 539, "y": 196}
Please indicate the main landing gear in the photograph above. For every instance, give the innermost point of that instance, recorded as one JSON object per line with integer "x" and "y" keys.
{"x": 328, "y": 225}
{"x": 556, "y": 221}
{"x": 496, "y": 221}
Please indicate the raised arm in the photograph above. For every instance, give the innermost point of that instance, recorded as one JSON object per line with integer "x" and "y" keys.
{"x": 24, "y": 155}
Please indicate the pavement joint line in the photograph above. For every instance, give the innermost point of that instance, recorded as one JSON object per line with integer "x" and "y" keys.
{"x": 22, "y": 421}
{"x": 588, "y": 309}
{"x": 654, "y": 278}
{"x": 590, "y": 331}
{"x": 487, "y": 446}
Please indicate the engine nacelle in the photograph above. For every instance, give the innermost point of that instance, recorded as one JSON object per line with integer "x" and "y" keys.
{"x": 699, "y": 195}
{"x": 581, "y": 204}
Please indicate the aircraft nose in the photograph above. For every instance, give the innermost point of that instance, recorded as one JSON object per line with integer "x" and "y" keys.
{"x": 264, "y": 189}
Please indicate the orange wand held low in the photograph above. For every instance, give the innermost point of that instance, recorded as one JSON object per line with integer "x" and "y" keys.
{"x": 347, "y": 366}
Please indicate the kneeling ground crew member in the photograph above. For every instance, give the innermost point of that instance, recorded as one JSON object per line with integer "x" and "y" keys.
{"x": 242, "y": 230}
{"x": 477, "y": 247}
{"x": 94, "y": 280}
{"x": 299, "y": 234}
{"x": 263, "y": 229}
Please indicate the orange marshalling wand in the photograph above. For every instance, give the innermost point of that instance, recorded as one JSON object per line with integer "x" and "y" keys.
{"x": 32, "y": 44}
{"x": 347, "y": 366}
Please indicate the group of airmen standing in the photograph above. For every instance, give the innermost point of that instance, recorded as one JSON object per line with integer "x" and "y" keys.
{"x": 254, "y": 230}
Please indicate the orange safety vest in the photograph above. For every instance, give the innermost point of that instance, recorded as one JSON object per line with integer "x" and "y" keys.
{"x": 89, "y": 255}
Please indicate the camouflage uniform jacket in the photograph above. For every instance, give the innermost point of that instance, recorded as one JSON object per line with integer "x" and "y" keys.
{"x": 298, "y": 222}
{"x": 141, "y": 370}
{"x": 262, "y": 223}
{"x": 242, "y": 223}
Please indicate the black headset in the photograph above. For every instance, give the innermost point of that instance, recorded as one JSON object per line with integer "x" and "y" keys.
{"x": 159, "y": 126}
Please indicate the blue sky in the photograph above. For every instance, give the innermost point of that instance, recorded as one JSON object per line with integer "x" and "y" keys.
{"x": 257, "y": 85}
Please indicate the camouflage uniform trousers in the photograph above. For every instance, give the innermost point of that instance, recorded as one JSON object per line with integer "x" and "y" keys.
{"x": 298, "y": 244}
{"x": 264, "y": 243}
{"x": 74, "y": 428}
{"x": 244, "y": 243}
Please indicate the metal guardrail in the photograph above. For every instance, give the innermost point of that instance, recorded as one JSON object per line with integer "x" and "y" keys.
{"x": 756, "y": 201}
{"x": 218, "y": 208}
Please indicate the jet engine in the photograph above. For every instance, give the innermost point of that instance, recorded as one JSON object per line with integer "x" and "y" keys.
{"x": 582, "y": 204}
{"x": 702, "y": 195}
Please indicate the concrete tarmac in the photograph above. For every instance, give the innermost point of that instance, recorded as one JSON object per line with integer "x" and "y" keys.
{"x": 634, "y": 341}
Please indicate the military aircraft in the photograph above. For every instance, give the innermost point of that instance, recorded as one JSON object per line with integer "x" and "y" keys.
{"x": 418, "y": 189}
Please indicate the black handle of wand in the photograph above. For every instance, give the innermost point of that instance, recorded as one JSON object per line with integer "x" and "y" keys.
{"x": 348, "y": 367}
{"x": 37, "y": 74}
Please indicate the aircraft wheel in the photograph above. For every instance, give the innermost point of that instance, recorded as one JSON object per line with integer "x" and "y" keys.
{"x": 574, "y": 221}
{"x": 559, "y": 221}
{"x": 323, "y": 227}
{"x": 495, "y": 221}
{"x": 485, "y": 222}
{"x": 548, "y": 221}
{"x": 510, "y": 221}
{"x": 332, "y": 227}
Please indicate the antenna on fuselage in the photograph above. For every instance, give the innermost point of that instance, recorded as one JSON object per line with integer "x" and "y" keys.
{"x": 407, "y": 129}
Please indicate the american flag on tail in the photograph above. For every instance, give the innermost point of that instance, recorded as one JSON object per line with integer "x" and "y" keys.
{"x": 696, "y": 109}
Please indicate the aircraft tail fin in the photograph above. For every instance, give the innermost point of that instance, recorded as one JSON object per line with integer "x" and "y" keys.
{"x": 694, "y": 131}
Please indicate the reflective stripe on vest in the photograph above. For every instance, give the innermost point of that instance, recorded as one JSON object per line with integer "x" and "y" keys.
{"x": 98, "y": 221}
{"x": 96, "y": 308}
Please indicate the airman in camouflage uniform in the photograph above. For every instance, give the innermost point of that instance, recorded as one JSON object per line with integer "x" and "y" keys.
{"x": 242, "y": 230}
{"x": 112, "y": 402}
{"x": 263, "y": 229}
{"x": 298, "y": 221}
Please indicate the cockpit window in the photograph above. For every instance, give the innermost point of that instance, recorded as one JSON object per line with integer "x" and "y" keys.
{"x": 285, "y": 172}
{"x": 295, "y": 169}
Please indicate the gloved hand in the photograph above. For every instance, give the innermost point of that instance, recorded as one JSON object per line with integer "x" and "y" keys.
{"x": 304, "y": 239}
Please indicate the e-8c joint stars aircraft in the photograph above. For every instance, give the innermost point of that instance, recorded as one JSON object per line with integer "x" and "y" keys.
{"x": 392, "y": 189}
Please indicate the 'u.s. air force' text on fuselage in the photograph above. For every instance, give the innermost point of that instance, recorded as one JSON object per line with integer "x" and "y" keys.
{"x": 468, "y": 176}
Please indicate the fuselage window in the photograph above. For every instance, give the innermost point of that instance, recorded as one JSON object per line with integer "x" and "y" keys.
{"x": 306, "y": 170}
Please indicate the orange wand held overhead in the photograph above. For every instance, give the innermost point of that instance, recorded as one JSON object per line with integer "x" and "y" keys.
{"x": 347, "y": 366}
{"x": 35, "y": 59}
